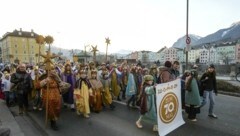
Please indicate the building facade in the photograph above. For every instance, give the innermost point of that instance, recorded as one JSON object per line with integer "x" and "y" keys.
{"x": 171, "y": 54}
{"x": 20, "y": 47}
{"x": 237, "y": 50}
{"x": 226, "y": 53}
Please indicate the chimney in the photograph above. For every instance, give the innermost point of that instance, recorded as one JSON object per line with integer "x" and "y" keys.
{"x": 32, "y": 30}
{"x": 20, "y": 29}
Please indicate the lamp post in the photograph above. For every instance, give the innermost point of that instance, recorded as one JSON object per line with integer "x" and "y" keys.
{"x": 85, "y": 52}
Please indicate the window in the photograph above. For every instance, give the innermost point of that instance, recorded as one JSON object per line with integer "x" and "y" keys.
{"x": 24, "y": 52}
{"x": 15, "y": 46}
{"x": 16, "y": 51}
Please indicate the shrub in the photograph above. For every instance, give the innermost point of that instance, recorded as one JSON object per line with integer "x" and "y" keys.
{"x": 227, "y": 87}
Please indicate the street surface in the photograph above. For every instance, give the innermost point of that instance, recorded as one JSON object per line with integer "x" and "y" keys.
{"x": 121, "y": 122}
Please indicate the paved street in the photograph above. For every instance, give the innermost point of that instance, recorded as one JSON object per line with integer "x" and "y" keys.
{"x": 121, "y": 122}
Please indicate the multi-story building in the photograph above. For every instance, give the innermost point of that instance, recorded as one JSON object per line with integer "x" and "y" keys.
{"x": 212, "y": 55}
{"x": 237, "y": 50}
{"x": 181, "y": 56}
{"x": 143, "y": 56}
{"x": 193, "y": 55}
{"x": 20, "y": 46}
{"x": 161, "y": 54}
{"x": 153, "y": 56}
{"x": 204, "y": 55}
{"x": 171, "y": 54}
{"x": 226, "y": 53}
{"x": 208, "y": 55}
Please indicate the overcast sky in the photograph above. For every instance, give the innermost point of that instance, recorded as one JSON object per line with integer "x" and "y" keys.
{"x": 130, "y": 24}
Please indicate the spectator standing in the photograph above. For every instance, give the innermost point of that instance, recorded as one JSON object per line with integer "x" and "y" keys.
{"x": 209, "y": 85}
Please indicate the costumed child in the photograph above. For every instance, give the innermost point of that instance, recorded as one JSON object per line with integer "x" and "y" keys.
{"x": 68, "y": 76}
{"x": 36, "y": 92}
{"x": 192, "y": 99}
{"x": 148, "y": 109}
{"x": 115, "y": 81}
{"x": 81, "y": 93}
{"x": 106, "y": 95}
{"x": 6, "y": 85}
{"x": 131, "y": 89}
{"x": 97, "y": 87}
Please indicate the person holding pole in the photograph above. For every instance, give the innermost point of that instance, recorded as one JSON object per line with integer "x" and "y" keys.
{"x": 49, "y": 83}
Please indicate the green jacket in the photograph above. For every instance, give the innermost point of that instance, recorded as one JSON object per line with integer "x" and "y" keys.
{"x": 193, "y": 97}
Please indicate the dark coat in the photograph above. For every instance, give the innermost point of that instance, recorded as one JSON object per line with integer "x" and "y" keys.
{"x": 22, "y": 80}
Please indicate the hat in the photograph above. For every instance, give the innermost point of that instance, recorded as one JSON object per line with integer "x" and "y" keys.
{"x": 145, "y": 69}
{"x": 211, "y": 66}
{"x": 148, "y": 78}
{"x": 154, "y": 66}
{"x": 161, "y": 67}
{"x": 114, "y": 65}
{"x": 195, "y": 66}
{"x": 94, "y": 72}
{"x": 91, "y": 63}
{"x": 168, "y": 64}
{"x": 187, "y": 71}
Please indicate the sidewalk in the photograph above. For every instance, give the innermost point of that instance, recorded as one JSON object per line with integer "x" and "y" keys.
{"x": 8, "y": 121}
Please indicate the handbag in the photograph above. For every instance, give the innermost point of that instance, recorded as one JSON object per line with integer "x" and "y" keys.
{"x": 64, "y": 87}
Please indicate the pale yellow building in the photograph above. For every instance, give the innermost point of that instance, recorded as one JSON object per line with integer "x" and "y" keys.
{"x": 20, "y": 46}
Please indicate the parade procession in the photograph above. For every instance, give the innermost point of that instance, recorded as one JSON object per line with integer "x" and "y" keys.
{"x": 163, "y": 98}
{"x": 83, "y": 88}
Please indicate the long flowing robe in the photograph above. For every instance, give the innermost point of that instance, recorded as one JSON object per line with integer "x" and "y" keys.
{"x": 54, "y": 99}
{"x": 82, "y": 92}
{"x": 148, "y": 105}
{"x": 131, "y": 85}
{"x": 68, "y": 96}
{"x": 115, "y": 85}
{"x": 97, "y": 88}
{"x": 106, "y": 95}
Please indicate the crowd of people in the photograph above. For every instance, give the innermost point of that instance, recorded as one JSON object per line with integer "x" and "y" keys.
{"x": 92, "y": 88}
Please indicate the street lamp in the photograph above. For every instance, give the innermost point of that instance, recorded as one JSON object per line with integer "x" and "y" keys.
{"x": 85, "y": 52}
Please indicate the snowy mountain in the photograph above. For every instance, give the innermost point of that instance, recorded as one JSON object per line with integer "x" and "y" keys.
{"x": 227, "y": 34}
{"x": 181, "y": 42}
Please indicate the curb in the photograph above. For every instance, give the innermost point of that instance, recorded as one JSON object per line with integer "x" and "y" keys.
{"x": 229, "y": 93}
{"x": 37, "y": 126}
{"x": 7, "y": 120}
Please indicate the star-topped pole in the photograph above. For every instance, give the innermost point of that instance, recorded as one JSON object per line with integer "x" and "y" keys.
{"x": 94, "y": 50}
{"x": 107, "y": 41}
{"x": 40, "y": 41}
{"x": 47, "y": 61}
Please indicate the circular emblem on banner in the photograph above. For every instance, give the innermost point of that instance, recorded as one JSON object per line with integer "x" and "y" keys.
{"x": 188, "y": 40}
{"x": 168, "y": 108}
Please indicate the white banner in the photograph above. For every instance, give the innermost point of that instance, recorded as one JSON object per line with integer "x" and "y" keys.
{"x": 169, "y": 109}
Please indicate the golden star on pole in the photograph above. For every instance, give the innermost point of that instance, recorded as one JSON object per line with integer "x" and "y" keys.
{"x": 48, "y": 57}
{"x": 107, "y": 40}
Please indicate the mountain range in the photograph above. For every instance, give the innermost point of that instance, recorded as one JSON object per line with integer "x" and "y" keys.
{"x": 223, "y": 35}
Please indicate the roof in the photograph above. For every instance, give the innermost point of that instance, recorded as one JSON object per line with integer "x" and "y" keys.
{"x": 16, "y": 33}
